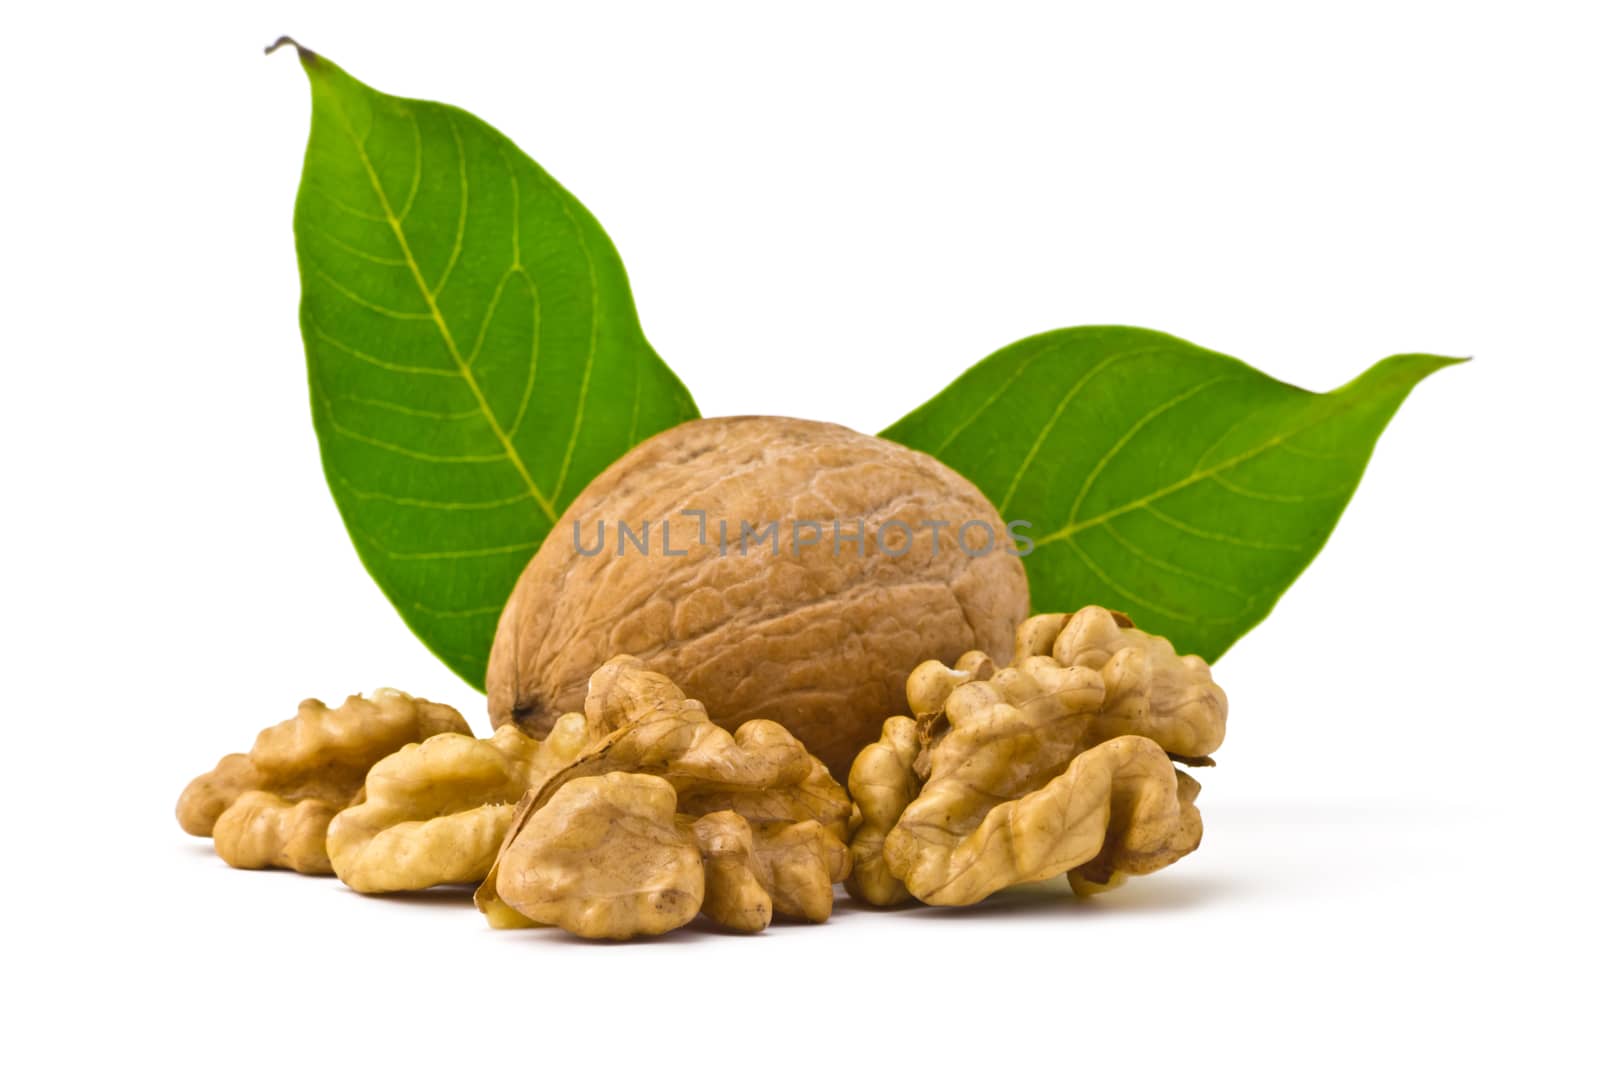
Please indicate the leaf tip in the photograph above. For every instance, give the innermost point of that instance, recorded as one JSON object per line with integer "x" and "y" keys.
{"x": 1430, "y": 364}
{"x": 1410, "y": 369}
{"x": 307, "y": 56}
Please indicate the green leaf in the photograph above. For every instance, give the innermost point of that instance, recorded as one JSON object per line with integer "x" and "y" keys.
{"x": 473, "y": 351}
{"x": 1178, "y": 484}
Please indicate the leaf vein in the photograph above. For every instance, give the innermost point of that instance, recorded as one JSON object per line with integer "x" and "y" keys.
{"x": 461, "y": 212}
{"x": 416, "y": 167}
{"x": 458, "y": 613}
{"x": 1221, "y": 538}
{"x": 1173, "y": 568}
{"x": 990, "y": 401}
{"x": 376, "y": 361}
{"x": 1133, "y": 431}
{"x": 1308, "y": 453}
{"x": 458, "y": 553}
{"x": 443, "y": 327}
{"x": 1123, "y": 591}
{"x": 361, "y": 301}
{"x": 382, "y": 261}
{"x": 1068, "y": 531}
{"x": 589, "y": 356}
{"x": 407, "y": 451}
{"x": 425, "y": 504}
{"x": 533, "y": 354}
{"x": 403, "y": 409}
{"x": 1274, "y": 498}
{"x": 348, "y": 209}
{"x": 1050, "y": 425}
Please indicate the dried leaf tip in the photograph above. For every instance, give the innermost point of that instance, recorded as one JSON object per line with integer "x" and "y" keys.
{"x": 306, "y": 54}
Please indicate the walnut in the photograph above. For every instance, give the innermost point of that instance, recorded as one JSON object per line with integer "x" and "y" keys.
{"x": 734, "y": 894}
{"x": 883, "y": 784}
{"x": 768, "y": 816}
{"x": 1150, "y": 689}
{"x": 788, "y": 869}
{"x": 1118, "y": 808}
{"x": 639, "y": 721}
{"x": 435, "y": 813}
{"x": 605, "y": 858}
{"x": 801, "y": 628}
{"x": 299, "y": 774}
{"x": 262, "y": 830}
{"x": 1059, "y": 764}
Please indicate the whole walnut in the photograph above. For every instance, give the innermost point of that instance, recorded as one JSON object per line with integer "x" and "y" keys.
{"x": 774, "y": 568}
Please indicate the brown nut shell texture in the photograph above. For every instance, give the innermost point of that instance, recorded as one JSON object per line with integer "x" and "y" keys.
{"x": 435, "y": 813}
{"x": 766, "y": 815}
{"x": 1059, "y": 764}
{"x": 271, "y": 807}
{"x": 740, "y": 587}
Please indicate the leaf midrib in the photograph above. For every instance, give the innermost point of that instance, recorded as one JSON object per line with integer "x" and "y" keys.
{"x": 1195, "y": 477}
{"x": 438, "y": 318}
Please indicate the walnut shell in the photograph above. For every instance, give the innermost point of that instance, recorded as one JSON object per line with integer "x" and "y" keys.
{"x": 819, "y": 637}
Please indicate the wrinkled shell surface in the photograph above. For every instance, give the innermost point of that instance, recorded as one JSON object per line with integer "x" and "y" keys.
{"x": 816, "y": 639}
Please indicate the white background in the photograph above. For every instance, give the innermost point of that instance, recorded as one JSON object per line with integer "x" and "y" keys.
{"x": 829, "y": 210}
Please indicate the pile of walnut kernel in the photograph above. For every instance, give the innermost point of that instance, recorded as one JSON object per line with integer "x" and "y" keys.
{"x": 639, "y": 813}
